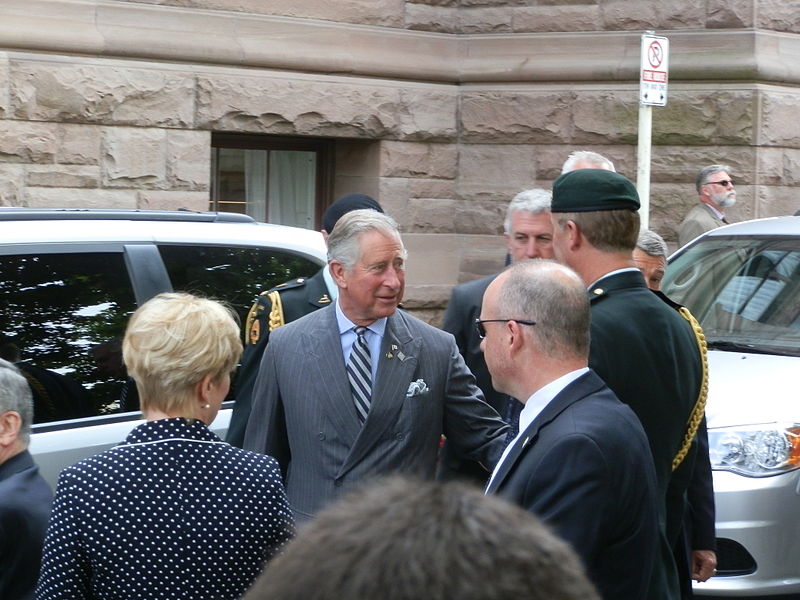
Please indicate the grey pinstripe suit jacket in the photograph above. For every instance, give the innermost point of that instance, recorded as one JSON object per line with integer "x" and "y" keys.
{"x": 303, "y": 411}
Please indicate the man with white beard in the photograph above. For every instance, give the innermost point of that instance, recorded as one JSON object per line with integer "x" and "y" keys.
{"x": 716, "y": 193}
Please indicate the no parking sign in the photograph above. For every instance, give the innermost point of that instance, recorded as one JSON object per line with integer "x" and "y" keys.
{"x": 654, "y": 70}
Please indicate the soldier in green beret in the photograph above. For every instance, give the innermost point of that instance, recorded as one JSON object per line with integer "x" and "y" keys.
{"x": 283, "y": 304}
{"x": 643, "y": 348}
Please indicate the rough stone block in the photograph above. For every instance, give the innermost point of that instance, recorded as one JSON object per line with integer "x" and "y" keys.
{"x": 550, "y": 159}
{"x": 780, "y": 124}
{"x": 95, "y": 93}
{"x": 432, "y": 215}
{"x": 481, "y": 217}
{"x": 432, "y": 18}
{"x": 12, "y": 185}
{"x": 409, "y": 159}
{"x": 707, "y": 117}
{"x": 172, "y": 200}
{"x": 774, "y": 201}
{"x": 385, "y": 13}
{"x": 486, "y": 20}
{"x": 516, "y": 117}
{"x": 189, "y": 160}
{"x": 27, "y": 142}
{"x": 584, "y": 17}
{"x": 5, "y": 101}
{"x": 36, "y": 197}
{"x": 64, "y": 176}
{"x": 78, "y": 144}
{"x": 673, "y": 164}
{"x": 605, "y": 117}
{"x": 732, "y": 14}
{"x": 326, "y": 107}
{"x": 134, "y": 157}
{"x": 496, "y": 172}
{"x": 624, "y": 15}
{"x": 778, "y": 15}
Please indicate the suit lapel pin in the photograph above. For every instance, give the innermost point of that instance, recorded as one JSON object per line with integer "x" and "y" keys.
{"x": 401, "y": 356}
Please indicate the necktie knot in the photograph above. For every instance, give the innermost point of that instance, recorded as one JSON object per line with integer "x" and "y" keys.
{"x": 360, "y": 330}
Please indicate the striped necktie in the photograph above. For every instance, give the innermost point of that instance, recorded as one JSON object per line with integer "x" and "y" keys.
{"x": 359, "y": 372}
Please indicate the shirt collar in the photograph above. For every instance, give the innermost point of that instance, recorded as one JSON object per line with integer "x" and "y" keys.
{"x": 542, "y": 397}
{"x": 345, "y": 324}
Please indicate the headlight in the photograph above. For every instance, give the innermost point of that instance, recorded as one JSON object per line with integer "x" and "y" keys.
{"x": 755, "y": 451}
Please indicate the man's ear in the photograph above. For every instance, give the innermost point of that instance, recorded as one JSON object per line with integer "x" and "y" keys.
{"x": 10, "y": 423}
{"x": 338, "y": 273}
{"x": 574, "y": 235}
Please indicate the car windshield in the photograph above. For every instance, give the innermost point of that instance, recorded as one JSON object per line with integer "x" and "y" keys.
{"x": 744, "y": 291}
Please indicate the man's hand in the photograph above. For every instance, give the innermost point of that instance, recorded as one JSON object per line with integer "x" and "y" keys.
{"x": 704, "y": 563}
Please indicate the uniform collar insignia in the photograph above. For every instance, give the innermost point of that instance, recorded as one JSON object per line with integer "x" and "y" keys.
{"x": 324, "y": 300}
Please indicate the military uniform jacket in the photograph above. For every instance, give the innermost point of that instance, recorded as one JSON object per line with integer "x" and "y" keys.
{"x": 298, "y": 298}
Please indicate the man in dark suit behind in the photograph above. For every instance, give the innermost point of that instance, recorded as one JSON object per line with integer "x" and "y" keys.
{"x": 25, "y": 497}
{"x": 581, "y": 460}
{"x": 283, "y": 304}
{"x": 329, "y": 433}
{"x": 528, "y": 234}
{"x": 643, "y": 349}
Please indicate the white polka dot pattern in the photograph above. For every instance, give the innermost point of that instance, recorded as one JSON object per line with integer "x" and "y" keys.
{"x": 170, "y": 513}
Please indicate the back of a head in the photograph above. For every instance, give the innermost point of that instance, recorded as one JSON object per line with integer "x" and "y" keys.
{"x": 15, "y": 395}
{"x": 343, "y": 242}
{"x": 174, "y": 340}
{"x": 534, "y": 201}
{"x": 586, "y": 159}
{"x": 404, "y": 539}
{"x": 603, "y": 203}
{"x": 346, "y": 204}
{"x": 552, "y": 296}
{"x": 652, "y": 244}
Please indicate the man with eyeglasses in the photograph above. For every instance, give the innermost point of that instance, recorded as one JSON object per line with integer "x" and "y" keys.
{"x": 581, "y": 461}
{"x": 716, "y": 193}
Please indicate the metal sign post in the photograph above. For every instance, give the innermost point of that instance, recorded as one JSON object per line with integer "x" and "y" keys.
{"x": 654, "y": 74}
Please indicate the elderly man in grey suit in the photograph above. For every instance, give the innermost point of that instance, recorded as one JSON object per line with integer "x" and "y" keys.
{"x": 360, "y": 389}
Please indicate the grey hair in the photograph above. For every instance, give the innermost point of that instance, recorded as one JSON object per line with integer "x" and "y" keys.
{"x": 554, "y": 297}
{"x": 651, "y": 243}
{"x": 706, "y": 172}
{"x": 534, "y": 201}
{"x": 15, "y": 395}
{"x": 598, "y": 161}
{"x": 343, "y": 242}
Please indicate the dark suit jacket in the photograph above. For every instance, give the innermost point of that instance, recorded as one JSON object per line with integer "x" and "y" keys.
{"x": 303, "y": 412}
{"x": 648, "y": 355}
{"x": 25, "y": 501}
{"x": 298, "y": 298}
{"x": 583, "y": 466}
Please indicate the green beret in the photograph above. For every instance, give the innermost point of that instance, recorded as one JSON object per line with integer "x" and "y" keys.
{"x": 587, "y": 190}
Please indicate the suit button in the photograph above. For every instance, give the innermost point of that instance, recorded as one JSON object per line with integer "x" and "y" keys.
{"x": 400, "y": 437}
{"x": 320, "y": 436}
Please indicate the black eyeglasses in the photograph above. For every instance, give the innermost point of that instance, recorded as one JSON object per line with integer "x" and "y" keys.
{"x": 482, "y": 330}
{"x": 722, "y": 182}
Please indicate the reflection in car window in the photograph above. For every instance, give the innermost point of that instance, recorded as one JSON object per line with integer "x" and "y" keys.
{"x": 236, "y": 275}
{"x": 56, "y": 310}
{"x": 744, "y": 291}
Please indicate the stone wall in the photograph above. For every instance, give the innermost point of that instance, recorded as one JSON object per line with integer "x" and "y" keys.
{"x": 441, "y": 109}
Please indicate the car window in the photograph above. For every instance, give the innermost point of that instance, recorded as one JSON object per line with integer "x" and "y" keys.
{"x": 744, "y": 291}
{"x": 62, "y": 317}
{"x": 236, "y": 275}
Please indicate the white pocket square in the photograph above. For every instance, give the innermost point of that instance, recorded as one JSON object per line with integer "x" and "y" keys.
{"x": 415, "y": 388}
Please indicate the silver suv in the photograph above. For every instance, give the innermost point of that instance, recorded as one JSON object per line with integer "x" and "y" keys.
{"x": 69, "y": 280}
{"x": 743, "y": 283}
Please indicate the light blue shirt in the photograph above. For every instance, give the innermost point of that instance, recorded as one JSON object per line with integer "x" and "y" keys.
{"x": 374, "y": 335}
{"x": 534, "y": 406}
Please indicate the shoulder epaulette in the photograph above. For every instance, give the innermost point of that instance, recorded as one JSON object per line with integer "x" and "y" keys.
{"x": 288, "y": 285}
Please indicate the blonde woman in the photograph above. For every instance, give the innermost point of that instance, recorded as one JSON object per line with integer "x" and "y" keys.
{"x": 173, "y": 511}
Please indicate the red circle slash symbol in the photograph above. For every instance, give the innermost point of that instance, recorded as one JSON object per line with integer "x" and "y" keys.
{"x": 655, "y": 54}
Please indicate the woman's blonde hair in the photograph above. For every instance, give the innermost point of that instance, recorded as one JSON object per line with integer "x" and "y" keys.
{"x": 174, "y": 340}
